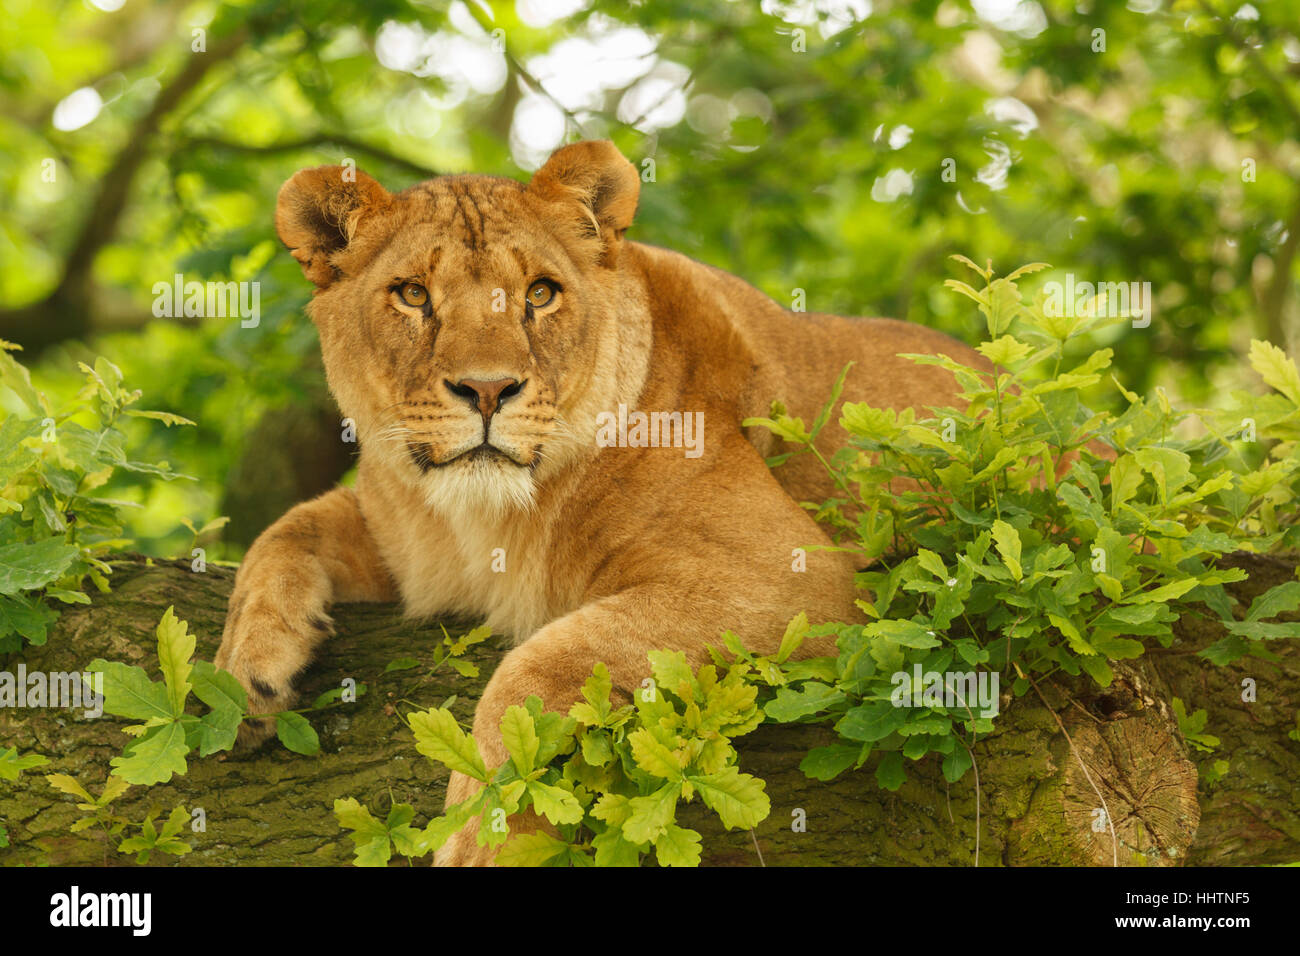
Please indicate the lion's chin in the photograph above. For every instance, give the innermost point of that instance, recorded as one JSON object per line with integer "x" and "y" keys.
{"x": 484, "y": 485}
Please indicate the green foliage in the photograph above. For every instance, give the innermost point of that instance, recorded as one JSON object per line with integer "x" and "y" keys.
{"x": 1025, "y": 534}
{"x": 150, "y": 839}
{"x": 12, "y": 765}
{"x": 56, "y": 524}
{"x": 99, "y": 809}
{"x": 168, "y": 737}
{"x": 100, "y": 813}
{"x": 169, "y": 734}
{"x": 448, "y": 652}
{"x": 375, "y": 839}
{"x": 209, "y": 528}
{"x": 1192, "y": 727}
{"x": 607, "y": 779}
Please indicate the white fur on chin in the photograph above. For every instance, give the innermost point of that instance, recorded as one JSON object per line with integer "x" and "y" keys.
{"x": 484, "y": 488}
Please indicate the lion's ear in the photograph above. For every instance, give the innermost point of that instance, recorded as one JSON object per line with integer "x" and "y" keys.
{"x": 599, "y": 178}
{"x": 317, "y": 212}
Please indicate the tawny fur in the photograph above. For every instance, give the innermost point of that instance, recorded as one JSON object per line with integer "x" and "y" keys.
{"x": 608, "y": 552}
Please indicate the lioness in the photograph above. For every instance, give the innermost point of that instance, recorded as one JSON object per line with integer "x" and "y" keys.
{"x": 493, "y": 342}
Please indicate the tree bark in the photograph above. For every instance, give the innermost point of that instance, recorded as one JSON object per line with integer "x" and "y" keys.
{"x": 1037, "y": 805}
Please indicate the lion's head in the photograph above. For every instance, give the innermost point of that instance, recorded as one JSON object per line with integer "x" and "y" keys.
{"x": 473, "y": 327}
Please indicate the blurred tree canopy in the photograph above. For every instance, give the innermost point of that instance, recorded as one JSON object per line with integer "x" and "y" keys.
{"x": 840, "y": 147}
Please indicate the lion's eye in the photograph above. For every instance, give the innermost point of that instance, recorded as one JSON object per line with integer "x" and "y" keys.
{"x": 541, "y": 292}
{"x": 413, "y": 294}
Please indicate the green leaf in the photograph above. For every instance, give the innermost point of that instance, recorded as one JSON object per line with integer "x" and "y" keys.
{"x": 1226, "y": 650}
{"x": 154, "y": 757}
{"x": 596, "y": 748}
{"x": 16, "y": 377}
{"x": 1077, "y": 642}
{"x": 128, "y": 692}
{"x": 1264, "y": 630}
{"x": 905, "y": 633}
{"x": 62, "y": 782}
{"x": 463, "y": 668}
{"x": 555, "y": 803}
{"x": 533, "y": 849}
{"x": 613, "y": 850}
{"x": 1098, "y": 669}
{"x": 167, "y": 418}
{"x": 1005, "y": 350}
{"x": 738, "y": 799}
{"x": 596, "y": 691}
{"x": 794, "y": 635}
{"x": 467, "y": 640}
{"x": 956, "y": 764}
{"x": 652, "y": 756}
{"x": 1125, "y": 479}
{"x": 1277, "y": 371}
{"x": 26, "y": 566}
{"x": 217, "y": 730}
{"x": 1276, "y": 600}
{"x": 673, "y": 673}
{"x": 612, "y": 808}
{"x": 439, "y": 737}
{"x": 441, "y": 829}
{"x": 836, "y": 391}
{"x": 175, "y": 648}
{"x": 1166, "y": 592}
{"x": 872, "y": 721}
{"x": 651, "y": 815}
{"x": 889, "y": 772}
{"x": 811, "y": 698}
{"x": 26, "y": 615}
{"x": 296, "y": 733}
{"x": 369, "y": 835}
{"x": 1116, "y": 648}
{"x": 519, "y": 734}
{"x": 1007, "y": 540}
{"x": 1170, "y": 468}
{"x": 11, "y": 765}
{"x": 678, "y": 847}
{"x": 217, "y": 688}
{"x": 406, "y": 840}
{"x": 932, "y": 563}
{"x": 500, "y": 801}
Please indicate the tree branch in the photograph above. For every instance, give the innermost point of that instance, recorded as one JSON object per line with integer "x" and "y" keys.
{"x": 349, "y": 143}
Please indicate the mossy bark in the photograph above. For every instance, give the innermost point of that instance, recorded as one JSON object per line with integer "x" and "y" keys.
{"x": 1036, "y": 806}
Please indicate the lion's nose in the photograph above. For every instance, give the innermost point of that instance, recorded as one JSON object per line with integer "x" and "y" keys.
{"x": 485, "y": 397}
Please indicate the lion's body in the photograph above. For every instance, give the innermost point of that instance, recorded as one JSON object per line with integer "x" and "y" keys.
{"x": 579, "y": 551}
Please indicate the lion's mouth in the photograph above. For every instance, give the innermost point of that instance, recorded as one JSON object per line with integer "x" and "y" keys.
{"x": 423, "y": 457}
